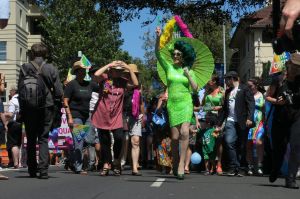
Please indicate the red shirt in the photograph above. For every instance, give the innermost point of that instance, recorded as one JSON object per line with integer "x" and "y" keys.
{"x": 108, "y": 114}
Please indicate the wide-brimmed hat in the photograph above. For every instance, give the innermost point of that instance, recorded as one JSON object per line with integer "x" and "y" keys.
{"x": 77, "y": 65}
{"x": 295, "y": 59}
{"x": 133, "y": 67}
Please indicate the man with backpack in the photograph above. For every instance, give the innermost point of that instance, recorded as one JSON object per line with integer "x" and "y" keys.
{"x": 40, "y": 95}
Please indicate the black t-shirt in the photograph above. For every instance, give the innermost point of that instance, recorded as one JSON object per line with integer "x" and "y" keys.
{"x": 79, "y": 98}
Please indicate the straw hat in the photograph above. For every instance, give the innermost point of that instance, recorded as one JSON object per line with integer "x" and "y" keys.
{"x": 77, "y": 65}
{"x": 133, "y": 67}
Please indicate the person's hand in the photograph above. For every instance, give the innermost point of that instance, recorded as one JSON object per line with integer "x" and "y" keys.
{"x": 158, "y": 31}
{"x": 290, "y": 13}
{"x": 280, "y": 101}
{"x": 249, "y": 123}
{"x": 186, "y": 71}
{"x": 70, "y": 122}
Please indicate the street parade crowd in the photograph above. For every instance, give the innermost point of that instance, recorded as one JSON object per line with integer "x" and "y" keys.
{"x": 244, "y": 128}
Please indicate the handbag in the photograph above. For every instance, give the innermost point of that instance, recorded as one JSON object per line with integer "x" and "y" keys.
{"x": 158, "y": 120}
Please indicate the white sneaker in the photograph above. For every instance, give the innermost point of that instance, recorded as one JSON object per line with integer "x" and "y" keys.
{"x": 298, "y": 174}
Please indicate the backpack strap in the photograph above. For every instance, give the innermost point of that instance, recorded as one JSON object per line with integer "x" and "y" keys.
{"x": 37, "y": 67}
{"x": 23, "y": 71}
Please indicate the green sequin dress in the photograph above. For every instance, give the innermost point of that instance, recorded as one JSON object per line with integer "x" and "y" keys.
{"x": 179, "y": 105}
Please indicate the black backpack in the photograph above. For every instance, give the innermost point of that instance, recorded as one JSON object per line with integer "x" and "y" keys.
{"x": 32, "y": 88}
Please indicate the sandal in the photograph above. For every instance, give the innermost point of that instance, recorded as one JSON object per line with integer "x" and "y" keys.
{"x": 117, "y": 172}
{"x": 104, "y": 172}
{"x": 136, "y": 173}
{"x": 186, "y": 171}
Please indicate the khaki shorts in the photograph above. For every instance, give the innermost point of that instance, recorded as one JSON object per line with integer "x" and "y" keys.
{"x": 134, "y": 125}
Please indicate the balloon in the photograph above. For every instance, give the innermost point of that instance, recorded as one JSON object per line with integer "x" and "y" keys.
{"x": 196, "y": 158}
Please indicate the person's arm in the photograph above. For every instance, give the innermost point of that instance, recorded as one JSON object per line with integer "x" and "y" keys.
{"x": 103, "y": 69}
{"x": 133, "y": 77}
{"x": 57, "y": 86}
{"x": 164, "y": 64}
{"x": 250, "y": 103}
{"x": 68, "y": 112}
{"x": 191, "y": 81}
{"x": 2, "y": 83}
{"x": 68, "y": 94}
{"x": 290, "y": 12}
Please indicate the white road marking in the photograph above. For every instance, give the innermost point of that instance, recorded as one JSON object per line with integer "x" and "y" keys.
{"x": 158, "y": 182}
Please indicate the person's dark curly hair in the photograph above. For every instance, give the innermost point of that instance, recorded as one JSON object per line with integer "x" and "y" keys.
{"x": 188, "y": 53}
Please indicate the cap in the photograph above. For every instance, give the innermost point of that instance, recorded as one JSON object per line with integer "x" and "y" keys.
{"x": 77, "y": 65}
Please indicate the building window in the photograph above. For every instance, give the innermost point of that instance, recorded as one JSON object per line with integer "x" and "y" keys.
{"x": 21, "y": 13}
{"x": 2, "y": 51}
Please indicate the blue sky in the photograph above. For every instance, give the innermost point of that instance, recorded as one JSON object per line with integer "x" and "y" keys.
{"x": 132, "y": 31}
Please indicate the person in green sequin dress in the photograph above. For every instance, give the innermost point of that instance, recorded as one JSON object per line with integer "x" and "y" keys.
{"x": 180, "y": 107}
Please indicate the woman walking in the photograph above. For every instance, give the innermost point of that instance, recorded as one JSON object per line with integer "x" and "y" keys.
{"x": 108, "y": 113}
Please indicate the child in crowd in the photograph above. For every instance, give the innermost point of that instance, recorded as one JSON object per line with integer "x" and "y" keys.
{"x": 209, "y": 135}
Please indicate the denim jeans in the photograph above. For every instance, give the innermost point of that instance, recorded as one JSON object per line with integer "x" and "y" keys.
{"x": 77, "y": 153}
{"x": 235, "y": 139}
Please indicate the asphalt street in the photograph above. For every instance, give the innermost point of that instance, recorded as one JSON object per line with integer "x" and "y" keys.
{"x": 64, "y": 184}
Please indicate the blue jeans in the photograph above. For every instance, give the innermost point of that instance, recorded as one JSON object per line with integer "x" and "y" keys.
{"x": 77, "y": 153}
{"x": 235, "y": 139}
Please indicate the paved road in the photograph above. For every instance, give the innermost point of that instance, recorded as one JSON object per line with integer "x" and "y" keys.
{"x": 63, "y": 184}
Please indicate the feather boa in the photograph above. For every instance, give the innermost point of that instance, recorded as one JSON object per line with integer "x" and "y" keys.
{"x": 168, "y": 33}
{"x": 183, "y": 27}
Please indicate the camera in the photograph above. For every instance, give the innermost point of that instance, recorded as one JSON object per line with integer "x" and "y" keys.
{"x": 288, "y": 96}
{"x": 284, "y": 43}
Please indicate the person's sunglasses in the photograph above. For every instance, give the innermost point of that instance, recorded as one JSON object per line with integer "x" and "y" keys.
{"x": 178, "y": 54}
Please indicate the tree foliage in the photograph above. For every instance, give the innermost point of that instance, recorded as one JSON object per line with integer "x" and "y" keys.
{"x": 72, "y": 26}
{"x": 211, "y": 33}
{"x": 217, "y": 10}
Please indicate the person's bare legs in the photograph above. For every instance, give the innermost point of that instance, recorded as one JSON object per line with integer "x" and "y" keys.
{"x": 219, "y": 156}
{"x": 135, "y": 152}
{"x": 16, "y": 154}
{"x": 249, "y": 157}
{"x": 184, "y": 143}
{"x": 187, "y": 161}
{"x": 174, "y": 148}
{"x": 260, "y": 155}
{"x": 97, "y": 149}
{"x": 149, "y": 147}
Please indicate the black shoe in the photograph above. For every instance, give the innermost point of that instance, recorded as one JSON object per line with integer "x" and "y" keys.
{"x": 32, "y": 174}
{"x": 273, "y": 177}
{"x": 136, "y": 173}
{"x": 291, "y": 184}
{"x": 43, "y": 175}
{"x": 231, "y": 173}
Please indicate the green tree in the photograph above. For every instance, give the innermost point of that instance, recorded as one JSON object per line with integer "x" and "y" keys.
{"x": 211, "y": 33}
{"x": 72, "y": 26}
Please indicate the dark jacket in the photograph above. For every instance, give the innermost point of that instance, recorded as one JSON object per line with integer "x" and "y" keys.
{"x": 244, "y": 106}
{"x": 51, "y": 78}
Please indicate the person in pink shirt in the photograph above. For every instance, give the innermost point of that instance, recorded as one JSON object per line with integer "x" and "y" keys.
{"x": 108, "y": 113}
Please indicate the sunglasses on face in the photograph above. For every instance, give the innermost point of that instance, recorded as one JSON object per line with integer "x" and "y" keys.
{"x": 177, "y": 54}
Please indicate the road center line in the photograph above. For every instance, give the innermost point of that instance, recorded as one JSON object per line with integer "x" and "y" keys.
{"x": 158, "y": 182}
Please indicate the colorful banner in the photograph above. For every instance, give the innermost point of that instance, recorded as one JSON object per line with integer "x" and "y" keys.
{"x": 60, "y": 138}
{"x": 278, "y": 63}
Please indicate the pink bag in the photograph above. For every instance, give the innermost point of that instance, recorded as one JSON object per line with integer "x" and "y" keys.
{"x": 136, "y": 97}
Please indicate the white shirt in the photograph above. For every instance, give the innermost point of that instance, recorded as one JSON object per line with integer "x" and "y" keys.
{"x": 13, "y": 107}
{"x": 231, "y": 105}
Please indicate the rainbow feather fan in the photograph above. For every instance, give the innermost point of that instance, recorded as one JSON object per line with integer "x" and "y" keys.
{"x": 174, "y": 25}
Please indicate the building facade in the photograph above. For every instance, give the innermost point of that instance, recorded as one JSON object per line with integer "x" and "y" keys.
{"x": 17, "y": 38}
{"x": 252, "y": 44}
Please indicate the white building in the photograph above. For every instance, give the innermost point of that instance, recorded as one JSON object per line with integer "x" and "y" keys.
{"x": 252, "y": 42}
{"x": 17, "y": 38}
